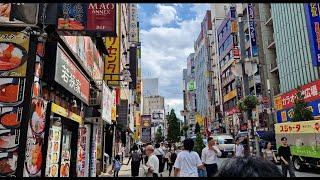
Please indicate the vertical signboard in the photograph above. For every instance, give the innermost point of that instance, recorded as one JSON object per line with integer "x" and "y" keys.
{"x": 107, "y": 102}
{"x": 146, "y": 128}
{"x": 313, "y": 24}
{"x": 112, "y": 61}
{"x": 101, "y": 17}
{"x": 252, "y": 31}
{"x": 133, "y": 23}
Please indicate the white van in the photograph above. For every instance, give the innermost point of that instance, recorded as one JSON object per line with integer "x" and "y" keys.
{"x": 225, "y": 143}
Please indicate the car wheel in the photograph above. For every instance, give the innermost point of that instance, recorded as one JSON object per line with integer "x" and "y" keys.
{"x": 297, "y": 164}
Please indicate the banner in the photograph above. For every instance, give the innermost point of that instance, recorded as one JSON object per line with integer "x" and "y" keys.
{"x": 252, "y": 31}
{"x": 22, "y": 14}
{"x": 112, "y": 61}
{"x": 14, "y": 47}
{"x": 87, "y": 18}
{"x": 298, "y": 127}
{"x": 107, "y": 102}
{"x": 70, "y": 77}
{"x": 313, "y": 25}
{"x": 310, "y": 91}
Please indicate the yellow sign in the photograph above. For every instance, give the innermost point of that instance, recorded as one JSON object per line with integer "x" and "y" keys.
{"x": 234, "y": 27}
{"x": 199, "y": 119}
{"x": 65, "y": 113}
{"x": 230, "y": 95}
{"x": 114, "y": 113}
{"x": 112, "y": 60}
{"x": 278, "y": 103}
{"x": 298, "y": 127}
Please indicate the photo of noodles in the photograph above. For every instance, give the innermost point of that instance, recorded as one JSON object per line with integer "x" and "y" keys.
{"x": 11, "y": 56}
{"x": 10, "y": 119}
{"x": 8, "y": 141}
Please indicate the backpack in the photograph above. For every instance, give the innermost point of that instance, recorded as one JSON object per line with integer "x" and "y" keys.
{"x": 135, "y": 156}
{"x": 117, "y": 165}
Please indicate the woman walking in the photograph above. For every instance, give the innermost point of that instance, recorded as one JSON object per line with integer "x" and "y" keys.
{"x": 268, "y": 154}
{"x": 188, "y": 161}
{"x": 172, "y": 156}
{"x": 135, "y": 157}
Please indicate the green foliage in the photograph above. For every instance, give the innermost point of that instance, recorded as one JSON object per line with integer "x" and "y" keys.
{"x": 173, "y": 127}
{"x": 248, "y": 103}
{"x": 301, "y": 113}
{"x": 159, "y": 135}
{"x": 197, "y": 128}
{"x": 199, "y": 145}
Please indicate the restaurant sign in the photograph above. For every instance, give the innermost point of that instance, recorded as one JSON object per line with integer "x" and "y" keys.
{"x": 70, "y": 77}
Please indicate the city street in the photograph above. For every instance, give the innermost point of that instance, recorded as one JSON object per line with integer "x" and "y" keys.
{"x": 126, "y": 171}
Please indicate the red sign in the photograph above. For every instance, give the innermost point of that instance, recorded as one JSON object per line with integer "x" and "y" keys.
{"x": 236, "y": 53}
{"x": 310, "y": 91}
{"x": 232, "y": 111}
{"x": 101, "y": 16}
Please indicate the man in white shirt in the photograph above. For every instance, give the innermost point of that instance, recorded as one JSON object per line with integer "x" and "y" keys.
{"x": 152, "y": 166}
{"x": 238, "y": 148}
{"x": 209, "y": 157}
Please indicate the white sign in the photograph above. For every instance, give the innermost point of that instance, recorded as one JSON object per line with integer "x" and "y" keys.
{"x": 107, "y": 102}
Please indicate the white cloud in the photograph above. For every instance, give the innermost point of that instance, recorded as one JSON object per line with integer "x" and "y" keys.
{"x": 165, "y": 15}
{"x": 165, "y": 51}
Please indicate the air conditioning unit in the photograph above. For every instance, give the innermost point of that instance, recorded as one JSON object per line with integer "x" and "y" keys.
{"x": 95, "y": 98}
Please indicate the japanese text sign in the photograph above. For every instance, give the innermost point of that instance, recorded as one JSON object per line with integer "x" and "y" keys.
{"x": 313, "y": 24}
{"x": 298, "y": 127}
{"x": 107, "y": 103}
{"x": 112, "y": 61}
{"x": 310, "y": 92}
{"x": 70, "y": 77}
{"x": 146, "y": 121}
{"x": 252, "y": 31}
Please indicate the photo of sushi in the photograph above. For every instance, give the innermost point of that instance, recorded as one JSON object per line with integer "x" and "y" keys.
{"x": 11, "y": 91}
{"x": 37, "y": 121}
{"x": 12, "y": 55}
{"x": 10, "y": 117}
{"x": 8, "y": 140}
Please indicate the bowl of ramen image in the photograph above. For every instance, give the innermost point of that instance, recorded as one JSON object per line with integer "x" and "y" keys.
{"x": 12, "y": 56}
{"x": 9, "y": 92}
{"x": 10, "y": 120}
{"x": 8, "y": 141}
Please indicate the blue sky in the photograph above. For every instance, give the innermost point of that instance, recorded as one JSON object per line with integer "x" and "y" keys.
{"x": 167, "y": 35}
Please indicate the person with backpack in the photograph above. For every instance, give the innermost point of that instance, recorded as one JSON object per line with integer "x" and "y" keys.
{"x": 135, "y": 155}
{"x": 172, "y": 156}
{"x": 116, "y": 166}
{"x": 160, "y": 154}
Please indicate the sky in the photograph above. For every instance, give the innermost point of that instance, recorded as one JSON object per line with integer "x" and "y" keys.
{"x": 167, "y": 35}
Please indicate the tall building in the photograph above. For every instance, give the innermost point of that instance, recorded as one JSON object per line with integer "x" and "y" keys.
{"x": 150, "y": 87}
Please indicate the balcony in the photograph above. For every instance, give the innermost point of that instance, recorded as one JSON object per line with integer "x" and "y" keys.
{"x": 269, "y": 21}
{"x": 274, "y": 66}
{"x": 271, "y": 42}
{"x": 227, "y": 80}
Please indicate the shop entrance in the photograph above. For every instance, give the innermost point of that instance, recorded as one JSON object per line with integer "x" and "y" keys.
{"x": 62, "y": 147}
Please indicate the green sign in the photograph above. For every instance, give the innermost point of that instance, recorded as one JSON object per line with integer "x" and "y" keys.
{"x": 191, "y": 86}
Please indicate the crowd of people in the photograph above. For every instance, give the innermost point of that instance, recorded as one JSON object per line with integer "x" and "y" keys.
{"x": 184, "y": 162}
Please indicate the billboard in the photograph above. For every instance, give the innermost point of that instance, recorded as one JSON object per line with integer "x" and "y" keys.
{"x": 107, "y": 102}
{"x": 303, "y": 137}
{"x": 146, "y": 128}
{"x": 22, "y": 14}
{"x": 313, "y": 25}
{"x": 87, "y": 18}
{"x": 157, "y": 115}
{"x": 146, "y": 121}
{"x": 310, "y": 91}
{"x": 14, "y": 47}
{"x": 70, "y": 77}
{"x": 252, "y": 31}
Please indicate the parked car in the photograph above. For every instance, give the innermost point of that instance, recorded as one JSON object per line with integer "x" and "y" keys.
{"x": 225, "y": 143}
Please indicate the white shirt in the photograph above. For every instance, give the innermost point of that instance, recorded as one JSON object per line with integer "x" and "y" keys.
{"x": 159, "y": 152}
{"x": 209, "y": 156}
{"x": 239, "y": 150}
{"x": 153, "y": 162}
{"x": 188, "y": 163}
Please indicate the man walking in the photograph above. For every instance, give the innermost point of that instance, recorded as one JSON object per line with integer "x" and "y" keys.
{"x": 152, "y": 166}
{"x": 209, "y": 157}
{"x": 286, "y": 158}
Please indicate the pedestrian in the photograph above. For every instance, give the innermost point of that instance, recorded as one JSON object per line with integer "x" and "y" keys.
{"x": 121, "y": 152}
{"x": 116, "y": 166}
{"x": 248, "y": 167}
{"x": 172, "y": 156}
{"x": 164, "y": 148}
{"x": 285, "y": 155}
{"x": 160, "y": 154}
{"x": 167, "y": 156}
{"x": 142, "y": 153}
{"x": 188, "y": 161}
{"x": 238, "y": 148}
{"x": 135, "y": 157}
{"x": 209, "y": 157}
{"x": 268, "y": 154}
{"x": 152, "y": 166}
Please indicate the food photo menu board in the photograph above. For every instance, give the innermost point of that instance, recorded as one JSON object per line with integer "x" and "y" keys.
{"x": 53, "y": 152}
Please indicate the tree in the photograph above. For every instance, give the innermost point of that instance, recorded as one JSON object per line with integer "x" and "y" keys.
{"x": 300, "y": 110}
{"x": 197, "y": 129}
{"x": 159, "y": 135}
{"x": 173, "y": 127}
{"x": 199, "y": 145}
{"x": 185, "y": 130}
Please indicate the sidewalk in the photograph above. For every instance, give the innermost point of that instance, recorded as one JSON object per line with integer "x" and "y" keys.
{"x": 126, "y": 170}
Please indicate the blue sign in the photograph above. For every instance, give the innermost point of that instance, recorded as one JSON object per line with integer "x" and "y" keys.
{"x": 287, "y": 114}
{"x": 233, "y": 12}
{"x": 313, "y": 24}
{"x": 252, "y": 31}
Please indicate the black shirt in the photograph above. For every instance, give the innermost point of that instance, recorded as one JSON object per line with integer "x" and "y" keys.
{"x": 285, "y": 152}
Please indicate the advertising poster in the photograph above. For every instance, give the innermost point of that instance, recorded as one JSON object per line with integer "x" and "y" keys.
{"x": 8, "y": 163}
{"x": 14, "y": 47}
{"x": 93, "y": 165}
{"x": 81, "y": 157}
{"x": 112, "y": 61}
{"x": 65, "y": 153}
{"x": 107, "y": 102}
{"x": 303, "y": 137}
{"x": 70, "y": 77}
{"x": 22, "y": 14}
{"x": 87, "y": 18}
{"x": 10, "y": 117}
{"x": 12, "y": 91}
{"x": 53, "y": 152}
{"x": 87, "y": 150}
{"x": 313, "y": 25}
{"x": 252, "y": 31}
